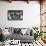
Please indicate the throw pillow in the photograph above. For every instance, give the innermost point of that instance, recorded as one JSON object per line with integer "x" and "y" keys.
{"x": 23, "y": 31}
{"x": 17, "y": 30}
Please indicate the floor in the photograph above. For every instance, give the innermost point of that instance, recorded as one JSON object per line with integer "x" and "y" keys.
{"x": 35, "y": 43}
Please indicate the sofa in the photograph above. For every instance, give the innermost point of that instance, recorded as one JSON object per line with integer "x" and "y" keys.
{"x": 22, "y": 34}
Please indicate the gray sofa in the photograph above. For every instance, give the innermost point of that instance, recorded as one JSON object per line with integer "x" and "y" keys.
{"x": 17, "y": 35}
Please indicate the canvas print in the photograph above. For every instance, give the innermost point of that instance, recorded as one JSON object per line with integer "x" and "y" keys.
{"x": 15, "y": 14}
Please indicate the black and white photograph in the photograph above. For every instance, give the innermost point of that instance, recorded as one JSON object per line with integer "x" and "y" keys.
{"x": 15, "y": 14}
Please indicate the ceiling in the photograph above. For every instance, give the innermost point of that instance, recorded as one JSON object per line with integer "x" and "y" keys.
{"x": 24, "y": 0}
{"x": 20, "y": 0}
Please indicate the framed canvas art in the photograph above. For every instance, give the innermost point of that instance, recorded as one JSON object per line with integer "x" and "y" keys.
{"x": 15, "y": 14}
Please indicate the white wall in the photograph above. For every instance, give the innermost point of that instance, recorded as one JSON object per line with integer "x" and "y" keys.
{"x": 31, "y": 14}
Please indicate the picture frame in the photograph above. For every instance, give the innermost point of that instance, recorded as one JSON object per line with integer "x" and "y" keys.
{"x": 15, "y": 14}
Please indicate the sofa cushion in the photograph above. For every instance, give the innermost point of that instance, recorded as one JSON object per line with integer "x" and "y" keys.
{"x": 11, "y": 30}
{"x": 17, "y": 30}
{"x": 23, "y": 31}
{"x": 20, "y": 37}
